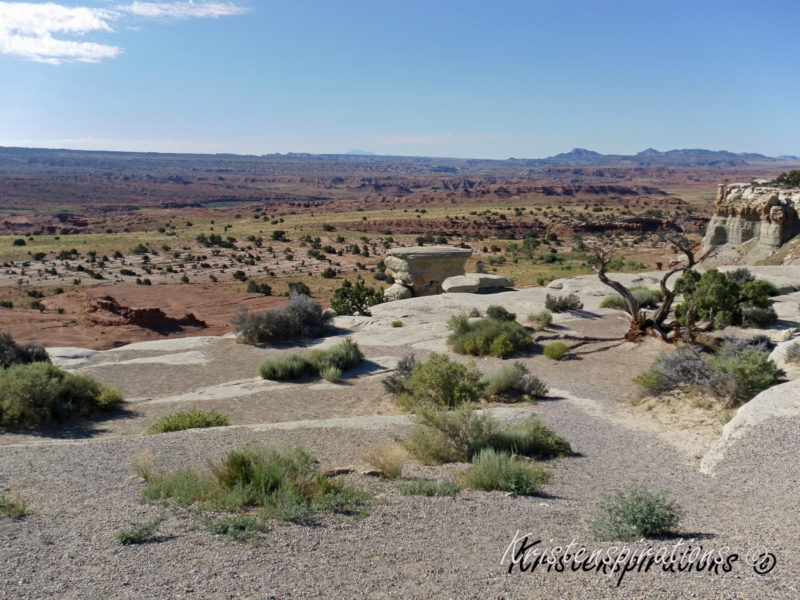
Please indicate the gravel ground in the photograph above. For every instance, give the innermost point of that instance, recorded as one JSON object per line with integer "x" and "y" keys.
{"x": 81, "y": 492}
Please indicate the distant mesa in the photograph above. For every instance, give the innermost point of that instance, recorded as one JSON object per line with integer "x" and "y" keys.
{"x": 358, "y": 152}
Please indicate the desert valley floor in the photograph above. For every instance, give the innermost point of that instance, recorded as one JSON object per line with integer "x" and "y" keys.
{"x": 81, "y": 490}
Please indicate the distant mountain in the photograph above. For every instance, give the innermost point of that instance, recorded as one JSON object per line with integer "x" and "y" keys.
{"x": 360, "y": 152}
{"x": 695, "y": 157}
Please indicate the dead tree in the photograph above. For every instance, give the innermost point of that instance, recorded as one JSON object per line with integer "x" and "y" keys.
{"x": 644, "y": 322}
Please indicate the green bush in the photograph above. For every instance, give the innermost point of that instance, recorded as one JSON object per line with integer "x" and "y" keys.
{"x": 751, "y": 368}
{"x": 487, "y": 337}
{"x": 284, "y": 367}
{"x": 355, "y": 299}
{"x": 141, "y": 534}
{"x": 492, "y": 470}
{"x": 13, "y": 507}
{"x": 397, "y": 323}
{"x": 513, "y": 382}
{"x": 188, "y": 419}
{"x": 724, "y": 299}
{"x": 40, "y": 393}
{"x": 12, "y": 353}
{"x": 330, "y": 373}
{"x": 736, "y": 373}
{"x": 441, "y": 382}
{"x": 543, "y": 319}
{"x": 530, "y": 438}
{"x": 343, "y": 356}
{"x": 562, "y": 303}
{"x": 790, "y": 179}
{"x": 556, "y": 350}
{"x": 449, "y": 436}
{"x": 633, "y": 514}
{"x": 302, "y": 318}
{"x": 258, "y": 288}
{"x": 425, "y": 487}
{"x": 499, "y": 313}
{"x": 285, "y": 483}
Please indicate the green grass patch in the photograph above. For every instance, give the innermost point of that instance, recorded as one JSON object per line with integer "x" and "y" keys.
{"x": 238, "y": 527}
{"x": 283, "y": 368}
{"x": 513, "y": 382}
{"x": 188, "y": 419}
{"x": 492, "y": 470}
{"x": 530, "y": 438}
{"x": 144, "y": 533}
{"x": 285, "y": 483}
{"x": 484, "y": 337}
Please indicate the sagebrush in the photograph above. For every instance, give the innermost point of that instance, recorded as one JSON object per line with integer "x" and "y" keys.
{"x": 302, "y": 318}
{"x": 635, "y": 513}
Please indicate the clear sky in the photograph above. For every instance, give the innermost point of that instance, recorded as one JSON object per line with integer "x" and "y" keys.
{"x": 463, "y": 78}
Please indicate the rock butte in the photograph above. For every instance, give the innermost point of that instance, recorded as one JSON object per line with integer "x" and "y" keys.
{"x": 755, "y": 224}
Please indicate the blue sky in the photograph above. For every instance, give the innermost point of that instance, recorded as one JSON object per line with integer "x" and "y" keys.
{"x": 435, "y": 78}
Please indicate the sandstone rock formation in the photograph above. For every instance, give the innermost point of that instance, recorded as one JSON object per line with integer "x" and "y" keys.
{"x": 422, "y": 269}
{"x": 752, "y": 222}
{"x": 474, "y": 282}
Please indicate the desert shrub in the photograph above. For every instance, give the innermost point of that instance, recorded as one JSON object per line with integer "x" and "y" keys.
{"x": 646, "y": 299}
{"x": 39, "y": 393}
{"x": 633, "y": 514}
{"x": 426, "y": 487}
{"x": 513, "y": 382}
{"x": 343, "y": 356}
{"x": 12, "y": 353}
{"x": 303, "y": 317}
{"x": 492, "y": 470}
{"x": 330, "y": 373}
{"x": 286, "y": 483}
{"x": 793, "y": 353}
{"x": 530, "y": 438}
{"x": 142, "y": 465}
{"x": 238, "y": 527}
{"x": 144, "y": 533}
{"x": 543, "y": 319}
{"x": 790, "y": 179}
{"x": 440, "y": 382}
{"x": 355, "y": 299}
{"x": 495, "y": 311}
{"x": 6, "y": 304}
{"x": 736, "y": 373}
{"x": 487, "y": 337}
{"x": 562, "y": 303}
{"x": 397, "y": 323}
{"x": 724, "y": 299}
{"x": 254, "y": 287}
{"x": 388, "y": 459}
{"x": 757, "y": 316}
{"x": 396, "y": 382}
{"x": 474, "y": 313}
{"x": 556, "y": 350}
{"x": 449, "y": 436}
{"x": 284, "y": 367}
{"x": 751, "y": 369}
{"x": 13, "y": 507}
{"x": 188, "y": 419}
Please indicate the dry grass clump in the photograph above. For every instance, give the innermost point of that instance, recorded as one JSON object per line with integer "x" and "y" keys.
{"x": 388, "y": 459}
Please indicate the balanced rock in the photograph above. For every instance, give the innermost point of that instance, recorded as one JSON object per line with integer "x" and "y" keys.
{"x": 752, "y": 221}
{"x": 424, "y": 268}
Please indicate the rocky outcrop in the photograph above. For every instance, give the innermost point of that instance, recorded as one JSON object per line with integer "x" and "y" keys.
{"x": 752, "y": 221}
{"x": 422, "y": 269}
{"x": 475, "y": 282}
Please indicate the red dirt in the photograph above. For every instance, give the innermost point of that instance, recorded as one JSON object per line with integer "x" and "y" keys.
{"x": 90, "y": 320}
